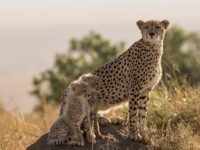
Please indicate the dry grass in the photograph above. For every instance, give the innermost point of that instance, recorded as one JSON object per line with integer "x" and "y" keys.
{"x": 173, "y": 119}
{"x": 18, "y": 131}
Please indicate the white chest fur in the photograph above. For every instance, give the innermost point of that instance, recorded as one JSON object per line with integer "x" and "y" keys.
{"x": 157, "y": 71}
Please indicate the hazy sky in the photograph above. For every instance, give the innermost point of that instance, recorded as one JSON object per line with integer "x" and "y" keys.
{"x": 32, "y": 31}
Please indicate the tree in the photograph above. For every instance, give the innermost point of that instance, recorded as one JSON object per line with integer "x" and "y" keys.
{"x": 83, "y": 55}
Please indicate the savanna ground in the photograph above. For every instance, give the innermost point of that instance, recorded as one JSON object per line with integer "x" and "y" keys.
{"x": 173, "y": 120}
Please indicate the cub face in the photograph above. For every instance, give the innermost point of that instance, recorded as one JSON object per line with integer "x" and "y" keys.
{"x": 79, "y": 88}
{"x": 92, "y": 80}
{"x": 153, "y": 30}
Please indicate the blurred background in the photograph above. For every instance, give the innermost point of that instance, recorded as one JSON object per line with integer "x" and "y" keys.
{"x": 33, "y": 32}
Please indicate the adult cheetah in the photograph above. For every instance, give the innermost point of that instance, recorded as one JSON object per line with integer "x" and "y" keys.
{"x": 133, "y": 75}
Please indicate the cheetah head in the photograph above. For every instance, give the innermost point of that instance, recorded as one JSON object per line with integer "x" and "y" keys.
{"x": 92, "y": 80}
{"x": 78, "y": 88}
{"x": 153, "y": 30}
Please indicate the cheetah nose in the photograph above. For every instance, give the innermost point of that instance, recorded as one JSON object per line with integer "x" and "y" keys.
{"x": 151, "y": 34}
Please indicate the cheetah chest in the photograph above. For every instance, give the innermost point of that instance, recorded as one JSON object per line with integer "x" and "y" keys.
{"x": 154, "y": 80}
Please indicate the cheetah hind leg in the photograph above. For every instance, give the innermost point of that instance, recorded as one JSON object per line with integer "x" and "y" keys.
{"x": 104, "y": 121}
{"x": 57, "y": 133}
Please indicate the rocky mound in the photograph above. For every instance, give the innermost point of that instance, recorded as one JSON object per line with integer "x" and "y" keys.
{"x": 117, "y": 141}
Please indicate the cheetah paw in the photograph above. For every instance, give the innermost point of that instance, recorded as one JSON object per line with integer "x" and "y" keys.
{"x": 91, "y": 138}
{"x": 55, "y": 142}
{"x": 103, "y": 137}
{"x": 135, "y": 137}
{"x": 74, "y": 141}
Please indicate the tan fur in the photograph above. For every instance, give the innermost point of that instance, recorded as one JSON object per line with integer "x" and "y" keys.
{"x": 133, "y": 75}
{"x": 77, "y": 109}
{"x": 153, "y": 26}
{"x": 67, "y": 128}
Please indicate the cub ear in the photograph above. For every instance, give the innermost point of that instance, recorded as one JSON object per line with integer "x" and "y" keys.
{"x": 85, "y": 87}
{"x": 165, "y": 23}
{"x": 84, "y": 78}
{"x": 140, "y": 23}
{"x": 73, "y": 86}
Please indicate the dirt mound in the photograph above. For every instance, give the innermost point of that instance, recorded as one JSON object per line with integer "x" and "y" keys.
{"x": 117, "y": 141}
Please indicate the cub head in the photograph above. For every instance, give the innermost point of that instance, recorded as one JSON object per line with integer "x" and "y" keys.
{"x": 79, "y": 88}
{"x": 153, "y": 30}
{"x": 92, "y": 80}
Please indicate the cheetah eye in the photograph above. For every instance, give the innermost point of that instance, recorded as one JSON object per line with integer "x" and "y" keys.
{"x": 146, "y": 27}
{"x": 157, "y": 27}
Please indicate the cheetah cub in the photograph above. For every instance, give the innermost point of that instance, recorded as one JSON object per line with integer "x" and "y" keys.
{"x": 92, "y": 96}
{"x": 66, "y": 130}
{"x": 75, "y": 111}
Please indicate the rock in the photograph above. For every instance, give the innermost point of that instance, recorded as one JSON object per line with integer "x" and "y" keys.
{"x": 117, "y": 141}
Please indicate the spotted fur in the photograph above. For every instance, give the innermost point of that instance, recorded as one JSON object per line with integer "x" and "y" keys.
{"x": 133, "y": 75}
{"x": 78, "y": 108}
{"x": 66, "y": 130}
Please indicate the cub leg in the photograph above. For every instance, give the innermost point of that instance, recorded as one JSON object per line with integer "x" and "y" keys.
{"x": 97, "y": 132}
{"x": 89, "y": 130}
{"x": 58, "y": 132}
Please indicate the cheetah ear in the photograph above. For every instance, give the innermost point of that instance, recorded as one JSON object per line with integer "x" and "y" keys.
{"x": 165, "y": 23}
{"x": 73, "y": 86}
{"x": 84, "y": 78}
{"x": 139, "y": 24}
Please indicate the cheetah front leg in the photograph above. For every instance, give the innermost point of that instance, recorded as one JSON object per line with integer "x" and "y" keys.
{"x": 142, "y": 115}
{"x": 133, "y": 133}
